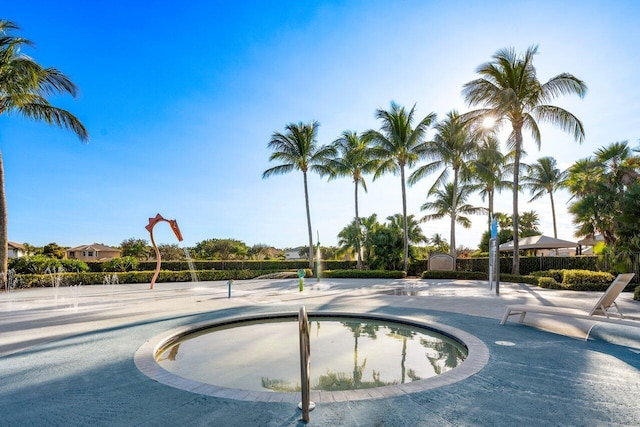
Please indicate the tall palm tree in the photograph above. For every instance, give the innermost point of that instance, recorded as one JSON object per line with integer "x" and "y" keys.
{"x": 24, "y": 88}
{"x": 449, "y": 202}
{"x": 489, "y": 170}
{"x": 298, "y": 149}
{"x": 353, "y": 159}
{"x": 397, "y": 145}
{"x": 509, "y": 90}
{"x": 543, "y": 177}
{"x": 452, "y": 148}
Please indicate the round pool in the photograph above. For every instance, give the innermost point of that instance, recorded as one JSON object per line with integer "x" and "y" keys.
{"x": 353, "y": 356}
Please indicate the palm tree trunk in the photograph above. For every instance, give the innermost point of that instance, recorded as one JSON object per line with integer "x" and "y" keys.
{"x": 490, "y": 193}
{"x": 358, "y": 243}
{"x": 516, "y": 177}
{"x": 454, "y": 209}
{"x": 4, "y": 249}
{"x": 405, "y": 255}
{"x": 553, "y": 215}
{"x": 306, "y": 199}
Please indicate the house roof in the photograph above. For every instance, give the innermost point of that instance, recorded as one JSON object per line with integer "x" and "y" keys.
{"x": 538, "y": 242}
{"x": 16, "y": 245}
{"x": 591, "y": 240}
{"x": 94, "y": 247}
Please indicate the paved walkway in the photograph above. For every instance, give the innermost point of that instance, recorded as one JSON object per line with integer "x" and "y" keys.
{"x": 66, "y": 356}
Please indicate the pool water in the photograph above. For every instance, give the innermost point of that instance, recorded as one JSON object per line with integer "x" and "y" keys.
{"x": 346, "y": 354}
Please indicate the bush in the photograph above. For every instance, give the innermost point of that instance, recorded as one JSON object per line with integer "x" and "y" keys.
{"x": 364, "y": 274}
{"x": 514, "y": 278}
{"x": 548, "y": 282}
{"x": 36, "y": 264}
{"x": 469, "y": 275}
{"x": 556, "y": 275}
{"x": 636, "y": 294}
{"x": 585, "y": 280}
{"x": 91, "y": 278}
{"x": 122, "y": 264}
{"x": 74, "y": 265}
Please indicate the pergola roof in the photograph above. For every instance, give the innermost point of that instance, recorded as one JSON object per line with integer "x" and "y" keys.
{"x": 538, "y": 242}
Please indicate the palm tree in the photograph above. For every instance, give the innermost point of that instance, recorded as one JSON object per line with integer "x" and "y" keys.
{"x": 353, "y": 159}
{"x": 451, "y": 148}
{"x": 414, "y": 232}
{"x": 399, "y": 146}
{"x": 599, "y": 183}
{"x": 509, "y": 90}
{"x": 298, "y": 149}
{"x": 448, "y": 202}
{"x": 24, "y": 88}
{"x": 489, "y": 170}
{"x": 543, "y": 177}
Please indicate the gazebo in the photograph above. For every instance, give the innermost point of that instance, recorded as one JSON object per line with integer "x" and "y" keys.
{"x": 538, "y": 242}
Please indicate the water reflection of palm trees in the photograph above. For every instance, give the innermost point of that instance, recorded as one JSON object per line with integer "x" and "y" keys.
{"x": 443, "y": 355}
{"x": 403, "y": 334}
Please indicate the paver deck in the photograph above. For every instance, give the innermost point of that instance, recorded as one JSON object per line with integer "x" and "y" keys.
{"x": 67, "y": 356}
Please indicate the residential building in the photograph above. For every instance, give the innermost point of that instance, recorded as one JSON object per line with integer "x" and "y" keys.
{"x": 93, "y": 252}
{"x": 16, "y": 250}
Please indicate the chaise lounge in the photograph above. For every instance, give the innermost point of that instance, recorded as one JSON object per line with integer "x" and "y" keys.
{"x": 602, "y": 307}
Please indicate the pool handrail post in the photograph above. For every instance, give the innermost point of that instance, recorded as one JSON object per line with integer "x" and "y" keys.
{"x": 305, "y": 363}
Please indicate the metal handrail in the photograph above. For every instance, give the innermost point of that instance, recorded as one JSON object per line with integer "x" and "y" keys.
{"x": 305, "y": 363}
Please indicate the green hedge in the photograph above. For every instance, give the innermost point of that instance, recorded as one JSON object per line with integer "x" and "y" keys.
{"x": 531, "y": 264}
{"x": 364, "y": 274}
{"x": 549, "y": 283}
{"x": 271, "y": 265}
{"x": 469, "y": 275}
{"x": 514, "y": 278}
{"x": 636, "y": 294}
{"x": 72, "y": 279}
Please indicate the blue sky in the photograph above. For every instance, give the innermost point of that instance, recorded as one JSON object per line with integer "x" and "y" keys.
{"x": 181, "y": 98}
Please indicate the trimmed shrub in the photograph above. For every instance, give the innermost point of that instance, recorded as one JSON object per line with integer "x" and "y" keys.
{"x": 125, "y": 263}
{"x": 36, "y": 264}
{"x": 469, "y": 275}
{"x": 272, "y": 265}
{"x": 91, "y": 278}
{"x": 585, "y": 280}
{"x": 548, "y": 282}
{"x": 364, "y": 274}
{"x": 514, "y": 278}
{"x": 556, "y": 275}
{"x": 74, "y": 265}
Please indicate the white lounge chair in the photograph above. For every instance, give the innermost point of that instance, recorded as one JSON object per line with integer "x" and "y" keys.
{"x": 606, "y": 301}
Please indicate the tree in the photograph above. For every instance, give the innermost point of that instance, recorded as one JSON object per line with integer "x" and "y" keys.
{"x": 137, "y": 248}
{"x": 353, "y": 159}
{"x": 53, "y": 250}
{"x": 488, "y": 170}
{"x": 543, "y": 177}
{"x": 452, "y": 148}
{"x": 599, "y": 184}
{"x": 260, "y": 251}
{"x": 509, "y": 90}
{"x": 298, "y": 149}
{"x": 171, "y": 252}
{"x": 438, "y": 243}
{"x": 397, "y": 146}
{"x": 221, "y": 249}
{"x": 414, "y": 232}
{"x": 24, "y": 88}
{"x": 447, "y": 202}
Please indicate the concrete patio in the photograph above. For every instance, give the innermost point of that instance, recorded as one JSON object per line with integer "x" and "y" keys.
{"x": 67, "y": 355}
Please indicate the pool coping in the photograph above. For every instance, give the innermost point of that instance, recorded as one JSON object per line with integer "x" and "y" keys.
{"x": 478, "y": 356}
